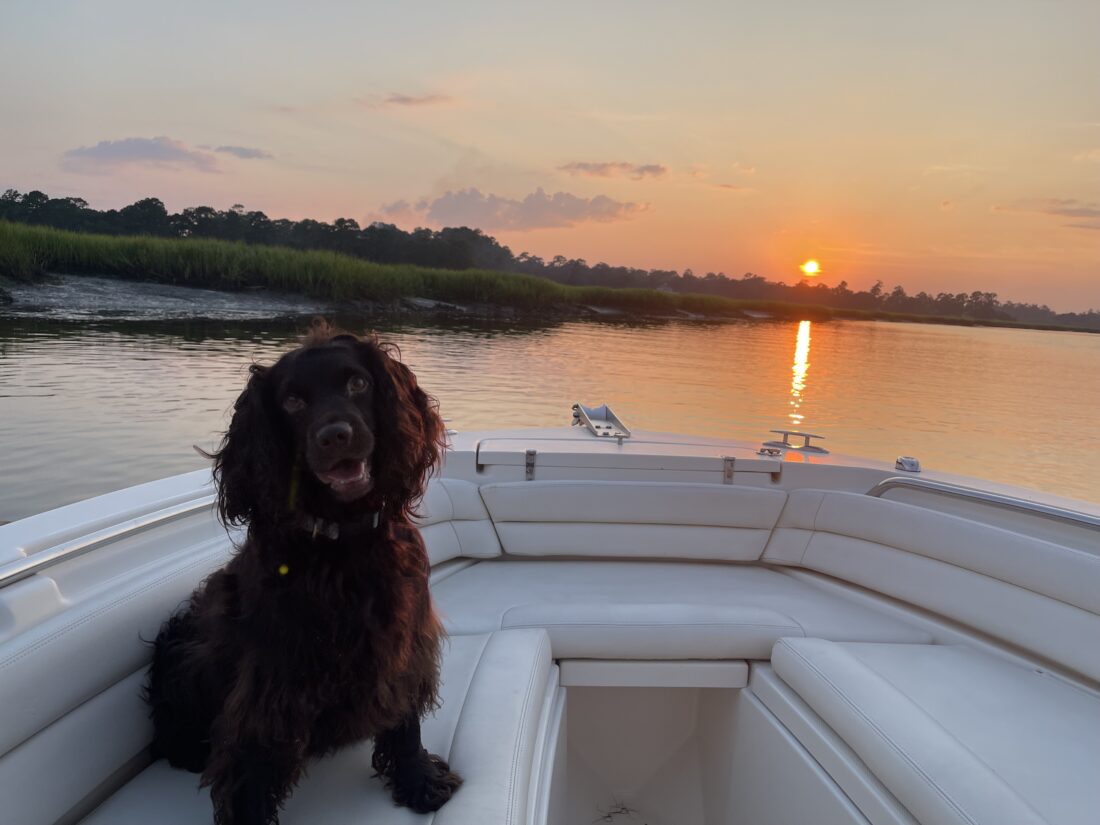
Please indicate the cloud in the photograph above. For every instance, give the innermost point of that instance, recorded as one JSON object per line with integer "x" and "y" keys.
{"x": 1059, "y": 207}
{"x": 160, "y": 152}
{"x": 1091, "y": 156}
{"x": 733, "y": 187}
{"x": 1065, "y": 207}
{"x": 701, "y": 171}
{"x": 614, "y": 169}
{"x": 538, "y": 210}
{"x": 396, "y": 208}
{"x": 244, "y": 152}
{"x": 396, "y": 99}
{"x": 401, "y": 211}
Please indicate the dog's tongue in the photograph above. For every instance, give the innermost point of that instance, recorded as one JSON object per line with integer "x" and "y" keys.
{"x": 345, "y": 472}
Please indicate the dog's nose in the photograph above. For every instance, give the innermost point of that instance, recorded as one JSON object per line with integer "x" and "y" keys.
{"x": 334, "y": 434}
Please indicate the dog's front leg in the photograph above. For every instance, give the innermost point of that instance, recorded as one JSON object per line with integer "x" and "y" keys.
{"x": 417, "y": 779}
{"x": 249, "y": 782}
{"x": 258, "y": 747}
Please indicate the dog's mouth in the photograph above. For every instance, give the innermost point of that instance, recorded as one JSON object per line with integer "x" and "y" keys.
{"x": 348, "y": 479}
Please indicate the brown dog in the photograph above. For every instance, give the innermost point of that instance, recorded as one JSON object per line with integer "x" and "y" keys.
{"x": 320, "y": 631}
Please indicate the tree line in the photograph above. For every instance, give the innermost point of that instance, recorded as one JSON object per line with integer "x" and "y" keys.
{"x": 466, "y": 248}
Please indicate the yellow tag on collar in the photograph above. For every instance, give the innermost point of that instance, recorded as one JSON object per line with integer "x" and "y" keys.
{"x": 283, "y": 569}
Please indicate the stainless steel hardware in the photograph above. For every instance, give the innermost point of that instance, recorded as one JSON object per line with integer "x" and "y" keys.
{"x": 804, "y": 447}
{"x": 1019, "y": 505}
{"x": 22, "y": 568}
{"x": 600, "y": 421}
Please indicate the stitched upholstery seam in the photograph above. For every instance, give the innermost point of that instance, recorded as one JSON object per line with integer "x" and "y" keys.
{"x": 813, "y": 529}
{"x": 543, "y": 644}
{"x": 674, "y": 625}
{"x": 491, "y": 520}
{"x": 447, "y": 493}
{"x": 466, "y": 696}
{"x": 882, "y": 734}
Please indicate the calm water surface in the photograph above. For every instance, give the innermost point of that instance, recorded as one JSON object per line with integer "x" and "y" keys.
{"x": 88, "y": 406}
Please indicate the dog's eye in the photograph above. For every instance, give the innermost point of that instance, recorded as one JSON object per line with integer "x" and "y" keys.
{"x": 356, "y": 385}
{"x": 293, "y": 404}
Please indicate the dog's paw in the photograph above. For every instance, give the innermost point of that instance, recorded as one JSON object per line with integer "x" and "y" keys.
{"x": 424, "y": 784}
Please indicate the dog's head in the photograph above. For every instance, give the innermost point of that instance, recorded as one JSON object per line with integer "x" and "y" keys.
{"x": 334, "y": 428}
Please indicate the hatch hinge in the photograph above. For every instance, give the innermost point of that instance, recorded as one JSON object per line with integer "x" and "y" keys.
{"x": 529, "y": 465}
{"x": 746, "y": 466}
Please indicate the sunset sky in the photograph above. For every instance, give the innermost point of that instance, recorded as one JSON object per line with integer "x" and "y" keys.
{"x": 941, "y": 145}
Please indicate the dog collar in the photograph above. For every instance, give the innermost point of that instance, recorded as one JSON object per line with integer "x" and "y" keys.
{"x": 331, "y": 529}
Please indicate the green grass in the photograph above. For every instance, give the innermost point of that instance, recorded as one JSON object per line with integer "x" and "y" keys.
{"x": 28, "y": 252}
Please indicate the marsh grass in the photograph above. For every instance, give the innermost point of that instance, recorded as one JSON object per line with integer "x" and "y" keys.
{"x": 29, "y": 252}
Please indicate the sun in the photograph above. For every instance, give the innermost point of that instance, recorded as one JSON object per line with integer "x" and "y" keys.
{"x": 810, "y": 269}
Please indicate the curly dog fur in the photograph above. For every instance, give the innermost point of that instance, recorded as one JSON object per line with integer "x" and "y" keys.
{"x": 320, "y": 631}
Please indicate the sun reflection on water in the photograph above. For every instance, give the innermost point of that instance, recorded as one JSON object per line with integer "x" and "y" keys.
{"x": 799, "y": 369}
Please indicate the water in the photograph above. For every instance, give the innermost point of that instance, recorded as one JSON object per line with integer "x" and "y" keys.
{"x": 93, "y": 403}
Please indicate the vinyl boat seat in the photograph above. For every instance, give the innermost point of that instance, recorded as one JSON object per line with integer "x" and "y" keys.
{"x": 645, "y": 570}
{"x": 956, "y": 735}
{"x": 496, "y": 693}
{"x": 624, "y": 609}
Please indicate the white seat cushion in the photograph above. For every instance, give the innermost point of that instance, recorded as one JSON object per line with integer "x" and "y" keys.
{"x": 1034, "y": 594}
{"x": 633, "y": 519}
{"x": 494, "y": 689}
{"x": 612, "y": 609}
{"x": 655, "y": 631}
{"x": 956, "y": 735}
{"x": 453, "y": 521}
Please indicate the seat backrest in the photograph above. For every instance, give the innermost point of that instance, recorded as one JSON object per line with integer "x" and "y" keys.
{"x": 1034, "y": 594}
{"x": 633, "y": 519}
{"x": 74, "y": 637}
{"x": 454, "y": 523}
{"x": 74, "y": 648}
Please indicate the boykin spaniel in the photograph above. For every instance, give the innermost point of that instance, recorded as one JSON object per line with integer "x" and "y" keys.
{"x": 320, "y": 631}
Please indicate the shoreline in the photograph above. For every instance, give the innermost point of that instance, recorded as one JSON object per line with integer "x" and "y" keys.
{"x": 418, "y": 307}
{"x": 352, "y": 286}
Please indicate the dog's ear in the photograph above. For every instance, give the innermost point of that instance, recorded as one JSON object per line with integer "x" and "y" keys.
{"x": 252, "y": 466}
{"x": 411, "y": 435}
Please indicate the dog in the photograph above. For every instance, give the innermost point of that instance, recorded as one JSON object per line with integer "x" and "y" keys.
{"x": 320, "y": 631}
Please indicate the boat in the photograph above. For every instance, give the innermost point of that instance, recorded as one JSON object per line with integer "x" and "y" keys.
{"x": 644, "y": 628}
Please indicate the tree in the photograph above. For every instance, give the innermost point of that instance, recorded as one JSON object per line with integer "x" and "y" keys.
{"x": 463, "y": 247}
{"x": 145, "y": 217}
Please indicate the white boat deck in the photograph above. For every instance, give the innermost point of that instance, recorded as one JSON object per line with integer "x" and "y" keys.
{"x": 645, "y": 632}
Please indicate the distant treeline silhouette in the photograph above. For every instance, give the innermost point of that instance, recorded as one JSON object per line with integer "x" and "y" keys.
{"x": 465, "y": 248}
